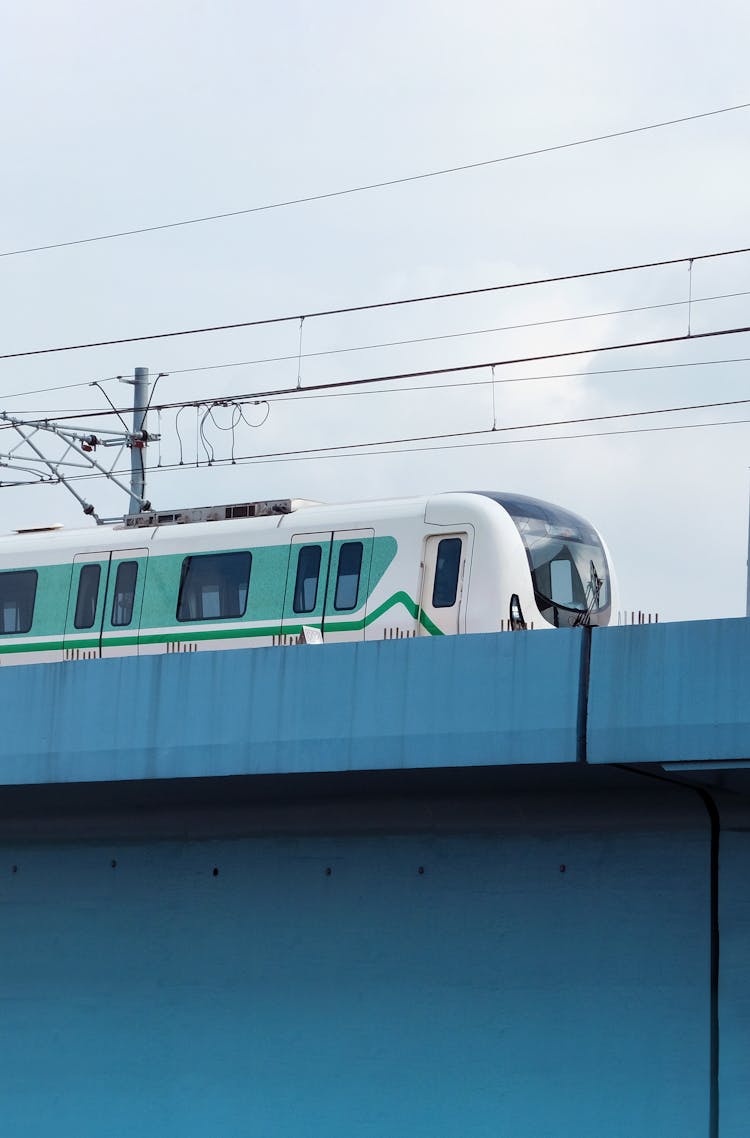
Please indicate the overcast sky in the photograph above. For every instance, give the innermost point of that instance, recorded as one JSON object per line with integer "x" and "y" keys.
{"x": 118, "y": 116}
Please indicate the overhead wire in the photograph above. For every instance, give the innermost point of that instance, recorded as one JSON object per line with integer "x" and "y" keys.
{"x": 491, "y": 439}
{"x": 493, "y": 382}
{"x": 382, "y": 344}
{"x": 307, "y": 394}
{"x": 343, "y": 450}
{"x": 377, "y": 305}
{"x": 479, "y": 435}
{"x": 427, "y": 372}
{"x": 59, "y": 387}
{"x": 370, "y": 186}
{"x": 456, "y": 335}
{"x": 329, "y": 389}
{"x": 540, "y": 425}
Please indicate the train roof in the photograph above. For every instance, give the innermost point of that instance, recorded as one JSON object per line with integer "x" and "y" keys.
{"x": 168, "y": 527}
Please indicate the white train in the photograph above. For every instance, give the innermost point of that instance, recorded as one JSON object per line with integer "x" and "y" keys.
{"x": 274, "y": 572}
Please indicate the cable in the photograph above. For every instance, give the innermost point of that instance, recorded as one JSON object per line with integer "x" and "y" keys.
{"x": 513, "y": 427}
{"x": 366, "y": 187}
{"x": 114, "y": 409}
{"x": 369, "y": 446}
{"x": 465, "y": 384}
{"x": 485, "y": 365}
{"x": 331, "y": 390}
{"x": 268, "y": 320}
{"x": 352, "y": 449}
{"x": 388, "y": 344}
{"x": 326, "y": 452}
{"x": 245, "y": 460}
{"x": 59, "y": 387}
{"x": 306, "y": 393}
{"x": 452, "y": 335}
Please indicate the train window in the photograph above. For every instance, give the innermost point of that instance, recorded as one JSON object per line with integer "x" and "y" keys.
{"x": 446, "y": 573}
{"x": 561, "y": 580}
{"x": 214, "y": 586}
{"x": 306, "y": 582}
{"x": 347, "y": 578}
{"x": 88, "y": 592}
{"x": 122, "y": 603}
{"x": 17, "y": 594}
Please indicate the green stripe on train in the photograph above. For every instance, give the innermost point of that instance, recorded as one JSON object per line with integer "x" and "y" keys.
{"x": 234, "y": 632}
{"x": 267, "y": 601}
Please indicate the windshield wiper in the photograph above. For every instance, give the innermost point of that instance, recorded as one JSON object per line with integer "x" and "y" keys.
{"x": 593, "y": 592}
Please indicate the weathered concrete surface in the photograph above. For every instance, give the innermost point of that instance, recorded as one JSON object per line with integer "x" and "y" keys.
{"x": 417, "y": 703}
{"x": 545, "y": 977}
{"x": 666, "y": 693}
{"x": 374, "y": 890}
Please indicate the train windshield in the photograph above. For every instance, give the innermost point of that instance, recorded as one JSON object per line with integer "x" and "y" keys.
{"x": 567, "y": 561}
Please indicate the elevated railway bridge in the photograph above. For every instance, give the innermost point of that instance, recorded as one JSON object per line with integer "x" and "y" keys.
{"x": 475, "y": 885}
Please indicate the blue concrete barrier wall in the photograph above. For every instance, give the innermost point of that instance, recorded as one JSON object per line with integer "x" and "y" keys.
{"x": 666, "y": 693}
{"x": 656, "y": 694}
{"x": 734, "y": 983}
{"x": 421, "y": 703}
{"x": 490, "y": 994}
{"x": 535, "y": 966}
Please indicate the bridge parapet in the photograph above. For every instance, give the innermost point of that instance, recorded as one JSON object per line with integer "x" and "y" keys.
{"x": 454, "y": 701}
{"x": 667, "y": 694}
{"x": 674, "y": 694}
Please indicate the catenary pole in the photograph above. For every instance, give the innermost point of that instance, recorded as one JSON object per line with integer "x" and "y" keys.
{"x": 137, "y": 465}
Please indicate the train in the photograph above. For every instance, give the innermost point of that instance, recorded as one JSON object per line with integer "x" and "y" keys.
{"x": 286, "y": 571}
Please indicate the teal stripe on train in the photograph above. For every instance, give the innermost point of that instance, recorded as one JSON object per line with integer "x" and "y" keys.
{"x": 268, "y": 581}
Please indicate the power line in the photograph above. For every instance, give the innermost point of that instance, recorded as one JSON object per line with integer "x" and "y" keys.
{"x": 426, "y": 373}
{"x": 304, "y": 394}
{"x": 395, "y": 343}
{"x": 334, "y": 389}
{"x": 246, "y": 396}
{"x": 465, "y": 384}
{"x": 452, "y": 335}
{"x": 350, "y": 309}
{"x": 512, "y": 427}
{"x": 490, "y": 439}
{"x": 369, "y": 186}
{"x": 495, "y": 430}
{"x": 249, "y": 459}
{"x": 353, "y": 450}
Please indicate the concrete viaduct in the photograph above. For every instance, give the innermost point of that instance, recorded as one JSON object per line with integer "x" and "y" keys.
{"x": 463, "y": 887}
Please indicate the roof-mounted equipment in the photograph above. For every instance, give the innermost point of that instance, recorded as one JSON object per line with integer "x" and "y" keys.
{"x": 269, "y": 508}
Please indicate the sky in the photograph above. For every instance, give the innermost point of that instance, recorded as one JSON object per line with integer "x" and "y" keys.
{"x": 120, "y": 116}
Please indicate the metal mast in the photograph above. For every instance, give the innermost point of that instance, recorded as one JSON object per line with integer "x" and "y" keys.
{"x": 79, "y": 445}
{"x": 138, "y": 439}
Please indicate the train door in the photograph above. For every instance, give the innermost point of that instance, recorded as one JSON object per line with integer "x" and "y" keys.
{"x": 327, "y": 583}
{"x": 306, "y": 583}
{"x": 104, "y": 604}
{"x": 83, "y": 622}
{"x": 440, "y": 605}
{"x": 121, "y": 618}
{"x": 348, "y": 585}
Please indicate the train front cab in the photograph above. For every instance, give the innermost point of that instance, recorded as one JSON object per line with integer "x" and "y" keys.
{"x": 522, "y": 563}
{"x": 567, "y": 564}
